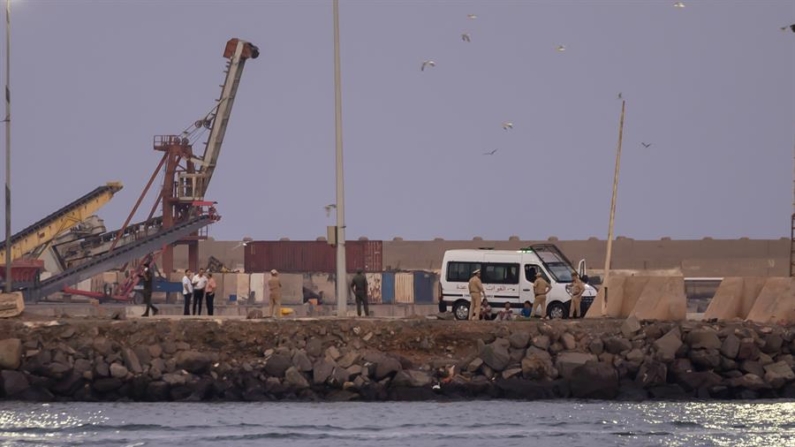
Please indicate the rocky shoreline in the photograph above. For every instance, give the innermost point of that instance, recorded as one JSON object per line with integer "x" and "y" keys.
{"x": 379, "y": 360}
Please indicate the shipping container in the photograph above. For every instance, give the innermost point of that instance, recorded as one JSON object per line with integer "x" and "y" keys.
{"x": 404, "y": 288}
{"x": 374, "y": 288}
{"x": 311, "y": 256}
{"x": 423, "y": 287}
{"x": 388, "y": 287}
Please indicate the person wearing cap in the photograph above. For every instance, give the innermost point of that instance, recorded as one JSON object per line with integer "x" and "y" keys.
{"x": 275, "y": 287}
{"x": 576, "y": 291}
{"x": 359, "y": 287}
{"x": 476, "y": 291}
{"x": 146, "y": 277}
{"x": 540, "y": 288}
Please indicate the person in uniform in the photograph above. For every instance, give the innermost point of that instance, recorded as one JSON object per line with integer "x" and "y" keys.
{"x": 146, "y": 277}
{"x": 577, "y": 289}
{"x": 359, "y": 287}
{"x": 540, "y": 289}
{"x": 476, "y": 291}
{"x": 275, "y": 287}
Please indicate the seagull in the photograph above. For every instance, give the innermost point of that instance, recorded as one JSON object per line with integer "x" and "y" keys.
{"x": 328, "y": 208}
{"x": 790, "y": 27}
{"x": 619, "y": 96}
{"x": 491, "y": 153}
{"x": 507, "y": 125}
{"x": 646, "y": 145}
{"x": 427, "y": 63}
{"x": 561, "y": 48}
{"x": 465, "y": 37}
{"x": 679, "y": 5}
{"x": 472, "y": 16}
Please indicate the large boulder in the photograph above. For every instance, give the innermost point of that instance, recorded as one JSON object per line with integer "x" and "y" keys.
{"x": 617, "y": 345}
{"x": 193, "y": 361}
{"x": 412, "y": 378}
{"x": 668, "y": 344}
{"x": 322, "y": 371}
{"x": 10, "y": 353}
{"x": 387, "y": 367}
{"x": 538, "y": 368}
{"x": 541, "y": 342}
{"x": 651, "y": 373}
{"x": 519, "y": 340}
{"x": 496, "y": 356}
{"x": 594, "y": 380}
{"x": 705, "y": 358}
{"x": 778, "y": 374}
{"x": 567, "y": 362}
{"x": 703, "y": 339}
{"x": 11, "y": 304}
{"x": 749, "y": 382}
{"x": 118, "y": 371}
{"x": 295, "y": 379}
{"x": 695, "y": 380}
{"x": 14, "y": 383}
{"x": 131, "y": 361}
{"x": 749, "y": 350}
{"x": 730, "y": 346}
{"x": 278, "y": 364}
{"x": 301, "y": 361}
{"x": 630, "y": 327}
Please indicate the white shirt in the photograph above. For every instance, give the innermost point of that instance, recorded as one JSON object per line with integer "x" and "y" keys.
{"x": 187, "y": 287}
{"x": 199, "y": 282}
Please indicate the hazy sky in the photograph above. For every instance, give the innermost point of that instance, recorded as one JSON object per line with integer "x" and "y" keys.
{"x": 711, "y": 86}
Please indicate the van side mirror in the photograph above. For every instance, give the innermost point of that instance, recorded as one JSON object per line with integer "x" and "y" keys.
{"x": 584, "y": 279}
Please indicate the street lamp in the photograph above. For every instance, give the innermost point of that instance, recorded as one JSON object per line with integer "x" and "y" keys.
{"x": 342, "y": 277}
{"x": 8, "y": 147}
{"x": 609, "y": 254}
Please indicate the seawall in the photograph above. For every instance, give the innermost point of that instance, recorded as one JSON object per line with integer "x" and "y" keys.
{"x": 96, "y": 359}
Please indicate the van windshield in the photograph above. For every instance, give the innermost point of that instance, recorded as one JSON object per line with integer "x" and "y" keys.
{"x": 560, "y": 270}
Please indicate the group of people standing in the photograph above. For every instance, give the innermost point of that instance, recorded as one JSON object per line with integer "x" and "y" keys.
{"x": 197, "y": 288}
{"x": 541, "y": 288}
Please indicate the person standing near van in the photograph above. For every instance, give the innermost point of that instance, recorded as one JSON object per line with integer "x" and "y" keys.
{"x": 476, "y": 291}
{"x": 359, "y": 287}
{"x": 187, "y": 291}
{"x": 540, "y": 289}
{"x": 577, "y": 289}
{"x": 275, "y": 287}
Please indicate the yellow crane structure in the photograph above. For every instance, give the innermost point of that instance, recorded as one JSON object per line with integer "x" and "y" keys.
{"x": 39, "y": 235}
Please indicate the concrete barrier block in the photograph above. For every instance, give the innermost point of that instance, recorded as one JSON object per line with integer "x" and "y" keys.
{"x": 623, "y": 293}
{"x": 257, "y": 285}
{"x": 776, "y": 302}
{"x": 663, "y": 298}
{"x": 292, "y": 288}
{"x": 734, "y": 298}
{"x": 243, "y": 286}
{"x": 230, "y": 287}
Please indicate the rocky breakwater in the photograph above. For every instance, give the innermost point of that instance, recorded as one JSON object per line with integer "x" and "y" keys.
{"x": 196, "y": 360}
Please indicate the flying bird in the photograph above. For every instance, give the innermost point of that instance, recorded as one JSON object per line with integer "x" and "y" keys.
{"x": 790, "y": 27}
{"x": 428, "y": 64}
{"x": 507, "y": 125}
{"x": 472, "y": 16}
{"x": 491, "y": 153}
{"x": 328, "y": 208}
{"x": 646, "y": 145}
{"x": 465, "y": 37}
{"x": 561, "y": 48}
{"x": 619, "y": 96}
{"x": 679, "y": 5}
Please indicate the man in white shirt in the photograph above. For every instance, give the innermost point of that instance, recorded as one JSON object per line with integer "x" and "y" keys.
{"x": 187, "y": 291}
{"x": 199, "y": 283}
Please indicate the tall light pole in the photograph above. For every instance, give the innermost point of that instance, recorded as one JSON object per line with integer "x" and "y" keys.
{"x": 8, "y": 147}
{"x": 342, "y": 276}
{"x": 609, "y": 254}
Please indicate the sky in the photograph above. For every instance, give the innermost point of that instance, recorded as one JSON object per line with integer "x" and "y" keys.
{"x": 710, "y": 86}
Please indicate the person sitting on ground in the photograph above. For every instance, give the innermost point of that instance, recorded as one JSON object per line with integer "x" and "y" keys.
{"x": 506, "y": 313}
{"x": 485, "y": 309}
{"x": 527, "y": 310}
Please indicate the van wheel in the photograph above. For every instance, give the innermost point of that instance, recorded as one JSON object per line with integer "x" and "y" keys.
{"x": 461, "y": 310}
{"x": 557, "y": 310}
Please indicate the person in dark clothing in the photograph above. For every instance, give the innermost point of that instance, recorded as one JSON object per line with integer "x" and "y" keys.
{"x": 146, "y": 277}
{"x": 359, "y": 287}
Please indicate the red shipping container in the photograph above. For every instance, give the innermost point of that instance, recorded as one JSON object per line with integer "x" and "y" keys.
{"x": 311, "y": 256}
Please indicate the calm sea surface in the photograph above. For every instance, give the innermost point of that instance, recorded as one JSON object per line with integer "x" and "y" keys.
{"x": 475, "y": 424}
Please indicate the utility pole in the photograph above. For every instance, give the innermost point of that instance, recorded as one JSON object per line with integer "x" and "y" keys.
{"x": 8, "y": 147}
{"x": 342, "y": 276}
{"x": 792, "y": 227}
{"x": 609, "y": 254}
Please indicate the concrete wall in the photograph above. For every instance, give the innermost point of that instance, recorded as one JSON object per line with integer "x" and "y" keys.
{"x": 690, "y": 258}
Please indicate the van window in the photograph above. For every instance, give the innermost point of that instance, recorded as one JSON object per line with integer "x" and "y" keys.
{"x": 530, "y": 272}
{"x": 560, "y": 270}
{"x": 461, "y": 271}
{"x": 500, "y": 273}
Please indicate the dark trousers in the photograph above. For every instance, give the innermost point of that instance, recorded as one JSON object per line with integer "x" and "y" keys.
{"x": 210, "y": 297}
{"x": 198, "y": 297}
{"x": 148, "y": 302}
{"x": 361, "y": 300}
{"x": 187, "y": 297}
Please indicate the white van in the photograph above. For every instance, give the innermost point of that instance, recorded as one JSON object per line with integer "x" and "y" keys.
{"x": 508, "y": 276}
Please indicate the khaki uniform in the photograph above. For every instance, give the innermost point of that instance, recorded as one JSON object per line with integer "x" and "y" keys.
{"x": 540, "y": 290}
{"x": 476, "y": 291}
{"x": 275, "y": 287}
{"x": 577, "y": 289}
